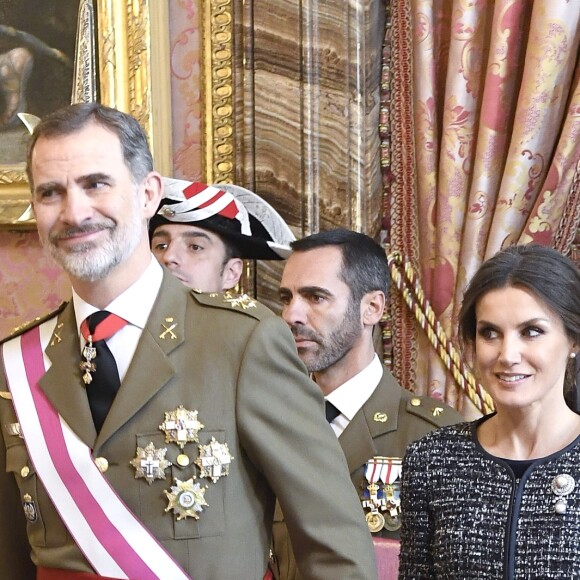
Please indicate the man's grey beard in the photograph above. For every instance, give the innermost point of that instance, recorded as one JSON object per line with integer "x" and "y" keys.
{"x": 91, "y": 261}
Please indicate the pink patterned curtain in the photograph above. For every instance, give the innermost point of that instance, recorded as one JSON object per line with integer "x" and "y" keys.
{"x": 489, "y": 154}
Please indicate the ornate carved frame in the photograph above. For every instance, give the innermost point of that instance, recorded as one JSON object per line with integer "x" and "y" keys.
{"x": 218, "y": 91}
{"x": 134, "y": 76}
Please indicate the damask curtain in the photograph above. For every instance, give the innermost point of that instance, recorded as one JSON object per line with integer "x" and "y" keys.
{"x": 480, "y": 129}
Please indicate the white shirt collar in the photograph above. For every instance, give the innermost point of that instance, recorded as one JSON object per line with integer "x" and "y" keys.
{"x": 134, "y": 304}
{"x": 352, "y": 395}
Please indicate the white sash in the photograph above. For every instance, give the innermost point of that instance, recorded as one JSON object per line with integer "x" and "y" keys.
{"x": 110, "y": 536}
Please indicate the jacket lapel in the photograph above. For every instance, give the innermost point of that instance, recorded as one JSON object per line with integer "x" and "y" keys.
{"x": 62, "y": 383}
{"x": 377, "y": 416}
{"x": 150, "y": 370}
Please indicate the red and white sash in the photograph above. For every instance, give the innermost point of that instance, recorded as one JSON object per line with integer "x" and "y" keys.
{"x": 113, "y": 540}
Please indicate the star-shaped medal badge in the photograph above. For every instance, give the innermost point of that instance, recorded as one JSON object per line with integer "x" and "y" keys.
{"x": 181, "y": 426}
{"x": 186, "y": 499}
{"x": 214, "y": 460}
{"x": 150, "y": 463}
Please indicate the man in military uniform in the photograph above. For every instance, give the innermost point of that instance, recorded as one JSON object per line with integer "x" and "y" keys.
{"x": 202, "y": 233}
{"x": 333, "y": 293}
{"x": 171, "y": 473}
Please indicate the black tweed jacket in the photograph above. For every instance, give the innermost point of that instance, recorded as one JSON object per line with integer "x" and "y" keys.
{"x": 466, "y": 516}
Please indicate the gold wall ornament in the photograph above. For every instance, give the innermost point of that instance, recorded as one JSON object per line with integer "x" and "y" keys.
{"x": 133, "y": 40}
{"x": 218, "y": 91}
{"x": 133, "y": 45}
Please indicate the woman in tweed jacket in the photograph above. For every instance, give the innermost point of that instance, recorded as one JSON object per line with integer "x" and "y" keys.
{"x": 500, "y": 497}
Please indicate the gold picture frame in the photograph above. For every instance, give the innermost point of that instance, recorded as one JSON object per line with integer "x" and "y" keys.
{"x": 134, "y": 75}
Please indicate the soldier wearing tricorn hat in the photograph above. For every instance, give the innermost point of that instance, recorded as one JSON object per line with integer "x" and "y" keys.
{"x": 202, "y": 233}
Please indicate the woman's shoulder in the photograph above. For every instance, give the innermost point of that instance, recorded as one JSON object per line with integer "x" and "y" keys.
{"x": 447, "y": 436}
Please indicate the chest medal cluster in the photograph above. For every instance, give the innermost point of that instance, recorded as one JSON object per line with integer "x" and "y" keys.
{"x": 181, "y": 428}
{"x": 381, "y": 494}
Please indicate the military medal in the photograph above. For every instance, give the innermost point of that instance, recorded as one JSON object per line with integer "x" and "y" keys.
{"x": 186, "y": 499}
{"x": 150, "y": 463}
{"x": 382, "y": 494}
{"x": 214, "y": 460}
{"x": 390, "y": 476}
{"x": 393, "y": 503}
{"x": 181, "y": 426}
{"x": 375, "y": 521}
{"x": 90, "y": 353}
{"x": 372, "y": 497}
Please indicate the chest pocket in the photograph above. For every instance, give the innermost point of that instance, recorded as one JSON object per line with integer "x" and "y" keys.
{"x": 153, "y": 501}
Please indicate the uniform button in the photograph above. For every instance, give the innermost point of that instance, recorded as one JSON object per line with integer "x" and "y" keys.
{"x": 25, "y": 471}
{"x": 102, "y": 464}
{"x": 415, "y": 401}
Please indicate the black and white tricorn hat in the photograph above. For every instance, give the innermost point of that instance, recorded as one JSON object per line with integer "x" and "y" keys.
{"x": 235, "y": 213}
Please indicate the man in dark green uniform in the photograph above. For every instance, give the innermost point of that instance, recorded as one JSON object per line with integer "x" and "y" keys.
{"x": 333, "y": 293}
{"x": 173, "y": 473}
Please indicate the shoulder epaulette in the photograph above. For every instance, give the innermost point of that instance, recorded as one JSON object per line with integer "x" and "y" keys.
{"x": 433, "y": 411}
{"x": 230, "y": 301}
{"x": 22, "y": 328}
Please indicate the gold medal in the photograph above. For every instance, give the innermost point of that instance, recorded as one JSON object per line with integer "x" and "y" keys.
{"x": 375, "y": 522}
{"x": 382, "y": 494}
{"x": 214, "y": 460}
{"x": 181, "y": 426}
{"x": 186, "y": 499}
{"x": 183, "y": 460}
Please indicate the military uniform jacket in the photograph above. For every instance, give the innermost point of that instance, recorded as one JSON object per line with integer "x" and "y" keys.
{"x": 237, "y": 366}
{"x": 387, "y": 423}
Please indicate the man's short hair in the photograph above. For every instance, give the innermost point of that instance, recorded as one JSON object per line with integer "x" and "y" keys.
{"x": 364, "y": 264}
{"x": 74, "y": 118}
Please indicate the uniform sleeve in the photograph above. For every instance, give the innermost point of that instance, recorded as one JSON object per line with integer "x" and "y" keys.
{"x": 284, "y": 564}
{"x": 15, "y": 562}
{"x": 417, "y": 525}
{"x": 282, "y": 429}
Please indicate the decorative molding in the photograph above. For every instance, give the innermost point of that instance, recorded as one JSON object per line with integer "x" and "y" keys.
{"x": 85, "y": 70}
{"x": 133, "y": 47}
{"x": 218, "y": 91}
